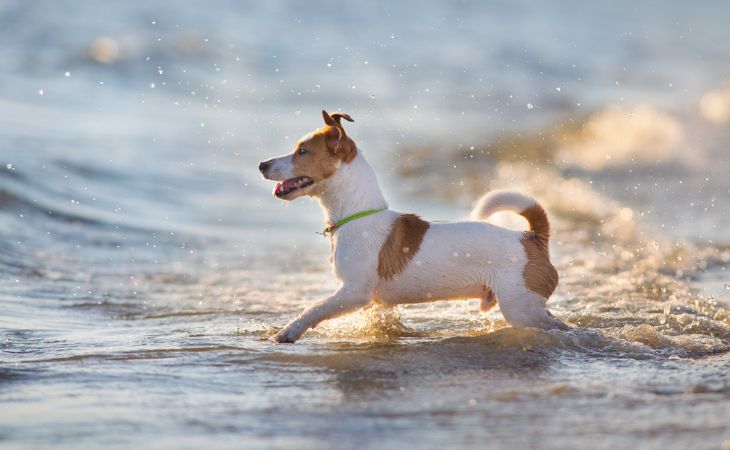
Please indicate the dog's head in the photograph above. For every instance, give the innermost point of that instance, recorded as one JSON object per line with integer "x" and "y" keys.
{"x": 316, "y": 157}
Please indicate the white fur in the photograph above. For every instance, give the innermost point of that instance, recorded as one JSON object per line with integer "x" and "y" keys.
{"x": 455, "y": 261}
{"x": 495, "y": 201}
{"x": 281, "y": 168}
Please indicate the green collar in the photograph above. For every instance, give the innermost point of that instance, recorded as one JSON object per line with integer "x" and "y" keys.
{"x": 331, "y": 229}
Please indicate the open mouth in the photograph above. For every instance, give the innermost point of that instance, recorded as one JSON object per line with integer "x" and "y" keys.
{"x": 287, "y": 187}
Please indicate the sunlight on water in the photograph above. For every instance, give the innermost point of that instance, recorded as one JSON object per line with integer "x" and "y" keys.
{"x": 144, "y": 265}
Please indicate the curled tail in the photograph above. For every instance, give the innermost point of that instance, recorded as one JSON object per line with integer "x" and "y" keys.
{"x": 516, "y": 202}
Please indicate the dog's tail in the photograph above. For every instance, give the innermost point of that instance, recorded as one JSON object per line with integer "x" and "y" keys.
{"x": 516, "y": 202}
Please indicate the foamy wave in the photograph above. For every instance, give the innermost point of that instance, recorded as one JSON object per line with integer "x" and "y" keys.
{"x": 616, "y": 136}
{"x": 639, "y": 136}
{"x": 680, "y": 345}
{"x": 715, "y": 106}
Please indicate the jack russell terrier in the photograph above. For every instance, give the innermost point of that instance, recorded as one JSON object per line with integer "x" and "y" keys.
{"x": 390, "y": 258}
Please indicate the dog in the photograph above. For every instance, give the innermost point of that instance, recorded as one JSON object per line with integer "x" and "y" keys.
{"x": 393, "y": 258}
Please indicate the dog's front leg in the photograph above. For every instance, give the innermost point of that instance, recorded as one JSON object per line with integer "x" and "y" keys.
{"x": 344, "y": 300}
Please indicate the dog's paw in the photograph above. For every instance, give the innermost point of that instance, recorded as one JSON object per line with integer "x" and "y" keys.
{"x": 286, "y": 336}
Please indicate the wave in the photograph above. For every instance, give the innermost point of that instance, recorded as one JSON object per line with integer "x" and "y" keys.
{"x": 154, "y": 353}
{"x": 715, "y": 106}
{"x": 51, "y": 196}
{"x": 16, "y": 196}
{"x": 612, "y": 137}
{"x": 16, "y": 202}
{"x": 638, "y": 136}
{"x": 504, "y": 349}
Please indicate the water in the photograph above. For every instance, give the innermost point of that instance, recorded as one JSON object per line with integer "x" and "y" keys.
{"x": 144, "y": 263}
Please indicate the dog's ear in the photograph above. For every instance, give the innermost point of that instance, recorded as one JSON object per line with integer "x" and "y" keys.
{"x": 335, "y": 135}
{"x": 337, "y": 140}
{"x": 335, "y": 119}
{"x": 338, "y": 115}
{"x": 328, "y": 119}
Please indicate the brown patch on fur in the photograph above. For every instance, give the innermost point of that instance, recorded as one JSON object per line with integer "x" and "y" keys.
{"x": 401, "y": 245}
{"x": 325, "y": 148}
{"x": 318, "y": 162}
{"x": 539, "y": 274}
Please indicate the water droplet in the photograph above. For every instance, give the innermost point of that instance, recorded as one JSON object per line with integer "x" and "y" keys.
{"x": 727, "y": 286}
{"x": 40, "y": 91}
{"x": 67, "y": 74}
{"x": 656, "y": 245}
{"x": 530, "y": 106}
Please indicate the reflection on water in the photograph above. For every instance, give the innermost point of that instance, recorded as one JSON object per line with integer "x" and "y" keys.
{"x": 144, "y": 264}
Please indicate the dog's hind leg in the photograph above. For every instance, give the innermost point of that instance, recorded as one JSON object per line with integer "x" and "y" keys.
{"x": 488, "y": 300}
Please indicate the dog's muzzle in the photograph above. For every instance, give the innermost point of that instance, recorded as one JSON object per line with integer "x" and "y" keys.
{"x": 264, "y": 166}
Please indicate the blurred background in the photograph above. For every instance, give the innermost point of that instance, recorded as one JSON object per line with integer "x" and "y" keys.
{"x": 144, "y": 263}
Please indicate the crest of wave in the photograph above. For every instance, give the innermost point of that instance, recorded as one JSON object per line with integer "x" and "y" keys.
{"x": 715, "y": 106}
{"x": 619, "y": 136}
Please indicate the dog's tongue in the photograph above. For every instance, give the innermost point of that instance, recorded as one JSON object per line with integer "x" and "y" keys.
{"x": 285, "y": 186}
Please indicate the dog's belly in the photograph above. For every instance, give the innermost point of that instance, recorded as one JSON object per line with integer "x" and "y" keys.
{"x": 407, "y": 291}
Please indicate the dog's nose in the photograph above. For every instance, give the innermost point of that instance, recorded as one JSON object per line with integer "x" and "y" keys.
{"x": 264, "y": 165}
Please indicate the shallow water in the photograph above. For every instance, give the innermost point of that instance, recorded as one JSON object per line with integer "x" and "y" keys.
{"x": 144, "y": 263}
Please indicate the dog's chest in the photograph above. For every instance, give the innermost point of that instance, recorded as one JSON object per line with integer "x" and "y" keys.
{"x": 355, "y": 247}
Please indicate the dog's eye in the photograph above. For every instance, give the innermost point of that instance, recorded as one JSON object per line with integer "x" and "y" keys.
{"x": 302, "y": 151}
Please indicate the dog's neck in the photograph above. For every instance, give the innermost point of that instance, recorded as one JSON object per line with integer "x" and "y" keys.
{"x": 353, "y": 188}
